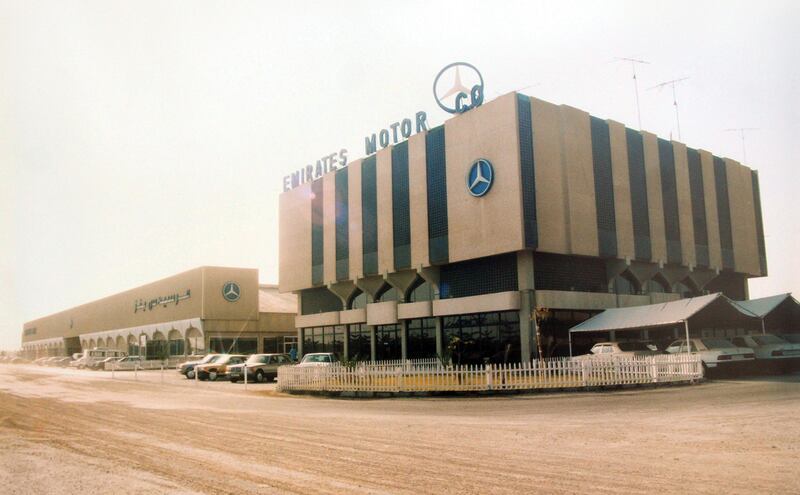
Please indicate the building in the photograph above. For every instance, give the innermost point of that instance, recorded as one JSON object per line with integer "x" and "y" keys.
{"x": 207, "y": 309}
{"x": 506, "y": 226}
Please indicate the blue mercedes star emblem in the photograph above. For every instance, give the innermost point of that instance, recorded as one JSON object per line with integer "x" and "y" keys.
{"x": 480, "y": 178}
{"x": 231, "y": 291}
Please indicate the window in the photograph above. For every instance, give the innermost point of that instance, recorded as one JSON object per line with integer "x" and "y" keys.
{"x": 420, "y": 291}
{"x": 387, "y": 342}
{"x": 359, "y": 343}
{"x": 421, "y": 338}
{"x": 388, "y": 293}
{"x": 323, "y": 339}
{"x": 358, "y": 301}
{"x": 481, "y": 337}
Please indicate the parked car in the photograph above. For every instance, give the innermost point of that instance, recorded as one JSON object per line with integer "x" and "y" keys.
{"x": 616, "y": 350}
{"x": 260, "y": 367}
{"x": 51, "y": 361}
{"x": 62, "y": 362}
{"x": 219, "y": 368}
{"x": 793, "y": 338}
{"x": 714, "y": 352}
{"x": 187, "y": 369}
{"x": 768, "y": 346}
{"x": 318, "y": 359}
{"x": 101, "y": 365}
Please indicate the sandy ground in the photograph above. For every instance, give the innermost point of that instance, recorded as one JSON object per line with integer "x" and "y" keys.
{"x": 69, "y": 431}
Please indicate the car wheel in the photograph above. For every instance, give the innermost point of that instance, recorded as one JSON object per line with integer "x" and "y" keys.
{"x": 212, "y": 375}
{"x": 190, "y": 374}
{"x": 234, "y": 380}
{"x": 259, "y": 376}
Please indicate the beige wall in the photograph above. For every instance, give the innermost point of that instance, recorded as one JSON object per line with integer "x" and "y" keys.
{"x": 355, "y": 248}
{"x": 743, "y": 217}
{"x": 383, "y": 174}
{"x": 117, "y": 311}
{"x": 551, "y": 185}
{"x": 418, "y": 199}
{"x": 685, "y": 222}
{"x": 712, "y": 218}
{"x": 623, "y": 213}
{"x": 655, "y": 201}
{"x": 578, "y": 167}
{"x": 329, "y": 228}
{"x": 216, "y": 307}
{"x": 490, "y": 224}
{"x": 294, "y": 238}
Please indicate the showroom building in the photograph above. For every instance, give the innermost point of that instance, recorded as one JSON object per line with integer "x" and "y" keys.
{"x": 493, "y": 234}
{"x": 207, "y": 309}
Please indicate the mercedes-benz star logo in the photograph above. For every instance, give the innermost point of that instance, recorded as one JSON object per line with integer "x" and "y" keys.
{"x": 231, "y": 291}
{"x": 480, "y": 178}
{"x": 458, "y": 97}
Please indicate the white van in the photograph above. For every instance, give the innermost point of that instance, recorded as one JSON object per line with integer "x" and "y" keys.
{"x": 91, "y": 357}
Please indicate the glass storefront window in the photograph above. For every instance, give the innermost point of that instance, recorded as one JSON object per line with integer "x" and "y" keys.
{"x": 421, "y": 338}
{"x": 482, "y": 337}
{"x": 387, "y": 342}
{"x": 421, "y": 292}
{"x": 323, "y": 339}
{"x": 359, "y": 343}
{"x": 176, "y": 347}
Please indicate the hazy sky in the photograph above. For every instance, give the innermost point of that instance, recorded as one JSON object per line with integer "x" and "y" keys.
{"x": 140, "y": 139}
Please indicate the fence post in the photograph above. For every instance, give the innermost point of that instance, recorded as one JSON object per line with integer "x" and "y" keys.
{"x": 653, "y": 369}
{"x": 489, "y": 382}
{"x": 244, "y": 370}
{"x": 136, "y": 371}
{"x": 584, "y": 372}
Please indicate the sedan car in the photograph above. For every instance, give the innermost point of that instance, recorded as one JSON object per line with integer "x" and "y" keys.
{"x": 768, "y": 346}
{"x": 714, "y": 352}
{"x": 187, "y": 369}
{"x": 612, "y": 350}
{"x": 218, "y": 368}
{"x": 260, "y": 367}
{"x": 318, "y": 359}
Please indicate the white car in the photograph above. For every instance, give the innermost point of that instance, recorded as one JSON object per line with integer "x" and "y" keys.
{"x": 714, "y": 351}
{"x": 768, "y": 346}
{"x": 612, "y": 350}
{"x": 318, "y": 359}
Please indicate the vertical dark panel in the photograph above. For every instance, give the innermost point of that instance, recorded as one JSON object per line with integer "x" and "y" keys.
{"x": 639, "y": 206}
{"x": 527, "y": 171}
{"x": 316, "y": 232}
{"x": 669, "y": 195}
{"x": 438, "y": 250}
{"x": 342, "y": 226}
{"x": 762, "y": 249}
{"x": 698, "y": 207}
{"x": 603, "y": 188}
{"x": 401, "y": 210}
{"x": 369, "y": 215}
{"x": 724, "y": 213}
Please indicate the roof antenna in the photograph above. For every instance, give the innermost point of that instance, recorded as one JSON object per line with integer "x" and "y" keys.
{"x": 741, "y": 131}
{"x": 633, "y": 62}
{"x": 674, "y": 99}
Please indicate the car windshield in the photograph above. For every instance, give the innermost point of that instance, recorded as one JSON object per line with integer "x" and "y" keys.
{"x": 767, "y": 339}
{"x": 717, "y": 343}
{"x": 316, "y": 358}
{"x": 633, "y": 346}
{"x": 257, "y": 359}
{"x": 209, "y": 358}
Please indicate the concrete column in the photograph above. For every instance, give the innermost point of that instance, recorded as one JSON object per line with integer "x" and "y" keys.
{"x": 438, "y": 333}
{"x": 526, "y": 325}
{"x": 403, "y": 339}
{"x": 346, "y": 349}
{"x": 372, "y": 342}
{"x": 299, "y": 343}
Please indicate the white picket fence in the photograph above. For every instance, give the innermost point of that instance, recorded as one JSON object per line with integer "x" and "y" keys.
{"x": 432, "y": 376}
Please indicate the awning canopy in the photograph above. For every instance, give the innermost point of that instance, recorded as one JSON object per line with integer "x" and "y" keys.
{"x": 763, "y": 306}
{"x": 654, "y": 315}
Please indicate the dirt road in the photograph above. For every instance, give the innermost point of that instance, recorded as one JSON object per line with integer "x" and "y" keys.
{"x": 66, "y": 431}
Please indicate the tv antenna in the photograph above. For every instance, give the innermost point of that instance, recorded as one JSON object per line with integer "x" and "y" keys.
{"x": 633, "y": 62}
{"x": 674, "y": 99}
{"x": 741, "y": 131}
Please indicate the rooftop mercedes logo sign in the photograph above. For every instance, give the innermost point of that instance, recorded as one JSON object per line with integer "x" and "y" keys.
{"x": 231, "y": 291}
{"x": 458, "y": 88}
{"x": 480, "y": 178}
